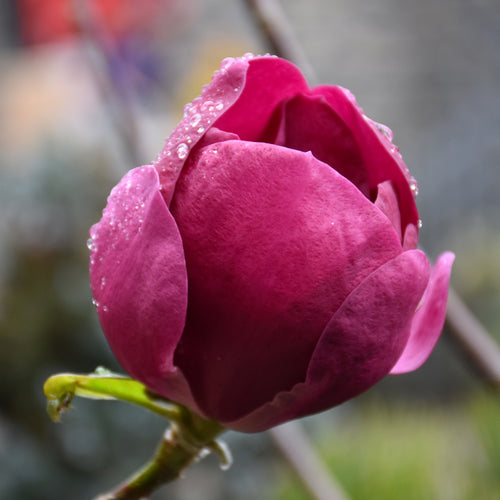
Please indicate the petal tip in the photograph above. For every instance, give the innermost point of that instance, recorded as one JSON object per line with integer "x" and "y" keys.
{"x": 429, "y": 318}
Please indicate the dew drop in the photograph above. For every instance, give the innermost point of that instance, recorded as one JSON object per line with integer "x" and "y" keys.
{"x": 207, "y": 105}
{"x": 105, "y": 308}
{"x": 200, "y": 130}
{"x": 420, "y": 223}
{"x": 96, "y": 304}
{"x": 228, "y": 61}
{"x": 384, "y": 130}
{"x": 182, "y": 151}
{"x": 90, "y": 243}
{"x": 219, "y": 106}
{"x": 414, "y": 187}
{"x": 195, "y": 119}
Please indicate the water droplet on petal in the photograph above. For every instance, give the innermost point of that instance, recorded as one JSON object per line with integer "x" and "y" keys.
{"x": 187, "y": 109}
{"x": 226, "y": 63}
{"x": 90, "y": 243}
{"x": 420, "y": 223}
{"x": 195, "y": 119}
{"x": 414, "y": 187}
{"x": 182, "y": 151}
{"x": 207, "y": 105}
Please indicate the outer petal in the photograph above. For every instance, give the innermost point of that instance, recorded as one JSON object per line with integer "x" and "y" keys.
{"x": 358, "y": 346}
{"x": 240, "y": 99}
{"x": 429, "y": 318}
{"x": 274, "y": 241}
{"x": 217, "y": 97}
{"x": 382, "y": 159}
{"x": 138, "y": 278}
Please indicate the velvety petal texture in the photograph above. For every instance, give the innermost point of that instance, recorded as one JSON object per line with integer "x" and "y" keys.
{"x": 264, "y": 266}
{"x": 358, "y": 346}
{"x": 260, "y": 224}
{"x": 138, "y": 279}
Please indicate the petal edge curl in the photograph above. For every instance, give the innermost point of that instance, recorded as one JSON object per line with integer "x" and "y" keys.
{"x": 429, "y": 319}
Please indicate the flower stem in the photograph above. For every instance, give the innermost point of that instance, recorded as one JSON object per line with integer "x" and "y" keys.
{"x": 183, "y": 444}
{"x": 188, "y": 439}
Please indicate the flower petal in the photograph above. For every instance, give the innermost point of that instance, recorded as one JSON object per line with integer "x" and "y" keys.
{"x": 217, "y": 97}
{"x": 138, "y": 277}
{"x": 381, "y": 157}
{"x": 274, "y": 241}
{"x": 309, "y": 123}
{"x": 387, "y": 201}
{"x": 269, "y": 81}
{"x": 429, "y": 318}
{"x": 239, "y": 99}
{"x": 358, "y": 346}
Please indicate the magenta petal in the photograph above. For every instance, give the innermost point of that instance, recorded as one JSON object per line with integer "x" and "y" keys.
{"x": 274, "y": 242}
{"x": 309, "y": 123}
{"x": 217, "y": 97}
{"x": 387, "y": 201}
{"x": 381, "y": 157}
{"x": 138, "y": 277}
{"x": 358, "y": 346}
{"x": 269, "y": 81}
{"x": 410, "y": 238}
{"x": 429, "y": 318}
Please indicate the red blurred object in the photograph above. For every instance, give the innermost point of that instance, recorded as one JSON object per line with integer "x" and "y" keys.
{"x": 54, "y": 20}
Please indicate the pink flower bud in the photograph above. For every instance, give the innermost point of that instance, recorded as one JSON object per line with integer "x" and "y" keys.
{"x": 264, "y": 267}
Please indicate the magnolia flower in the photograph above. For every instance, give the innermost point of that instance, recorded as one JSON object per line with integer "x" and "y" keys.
{"x": 264, "y": 267}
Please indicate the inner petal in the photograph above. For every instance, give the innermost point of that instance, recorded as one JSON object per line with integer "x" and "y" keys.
{"x": 309, "y": 123}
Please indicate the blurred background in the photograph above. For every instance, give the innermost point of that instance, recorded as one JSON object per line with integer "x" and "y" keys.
{"x": 77, "y": 78}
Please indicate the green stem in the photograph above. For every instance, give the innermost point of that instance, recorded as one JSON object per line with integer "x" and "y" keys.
{"x": 187, "y": 440}
{"x": 182, "y": 445}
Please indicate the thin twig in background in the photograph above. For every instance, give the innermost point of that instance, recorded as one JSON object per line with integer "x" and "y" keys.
{"x": 296, "y": 447}
{"x": 115, "y": 103}
{"x": 480, "y": 348}
{"x": 279, "y": 34}
{"x": 465, "y": 329}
